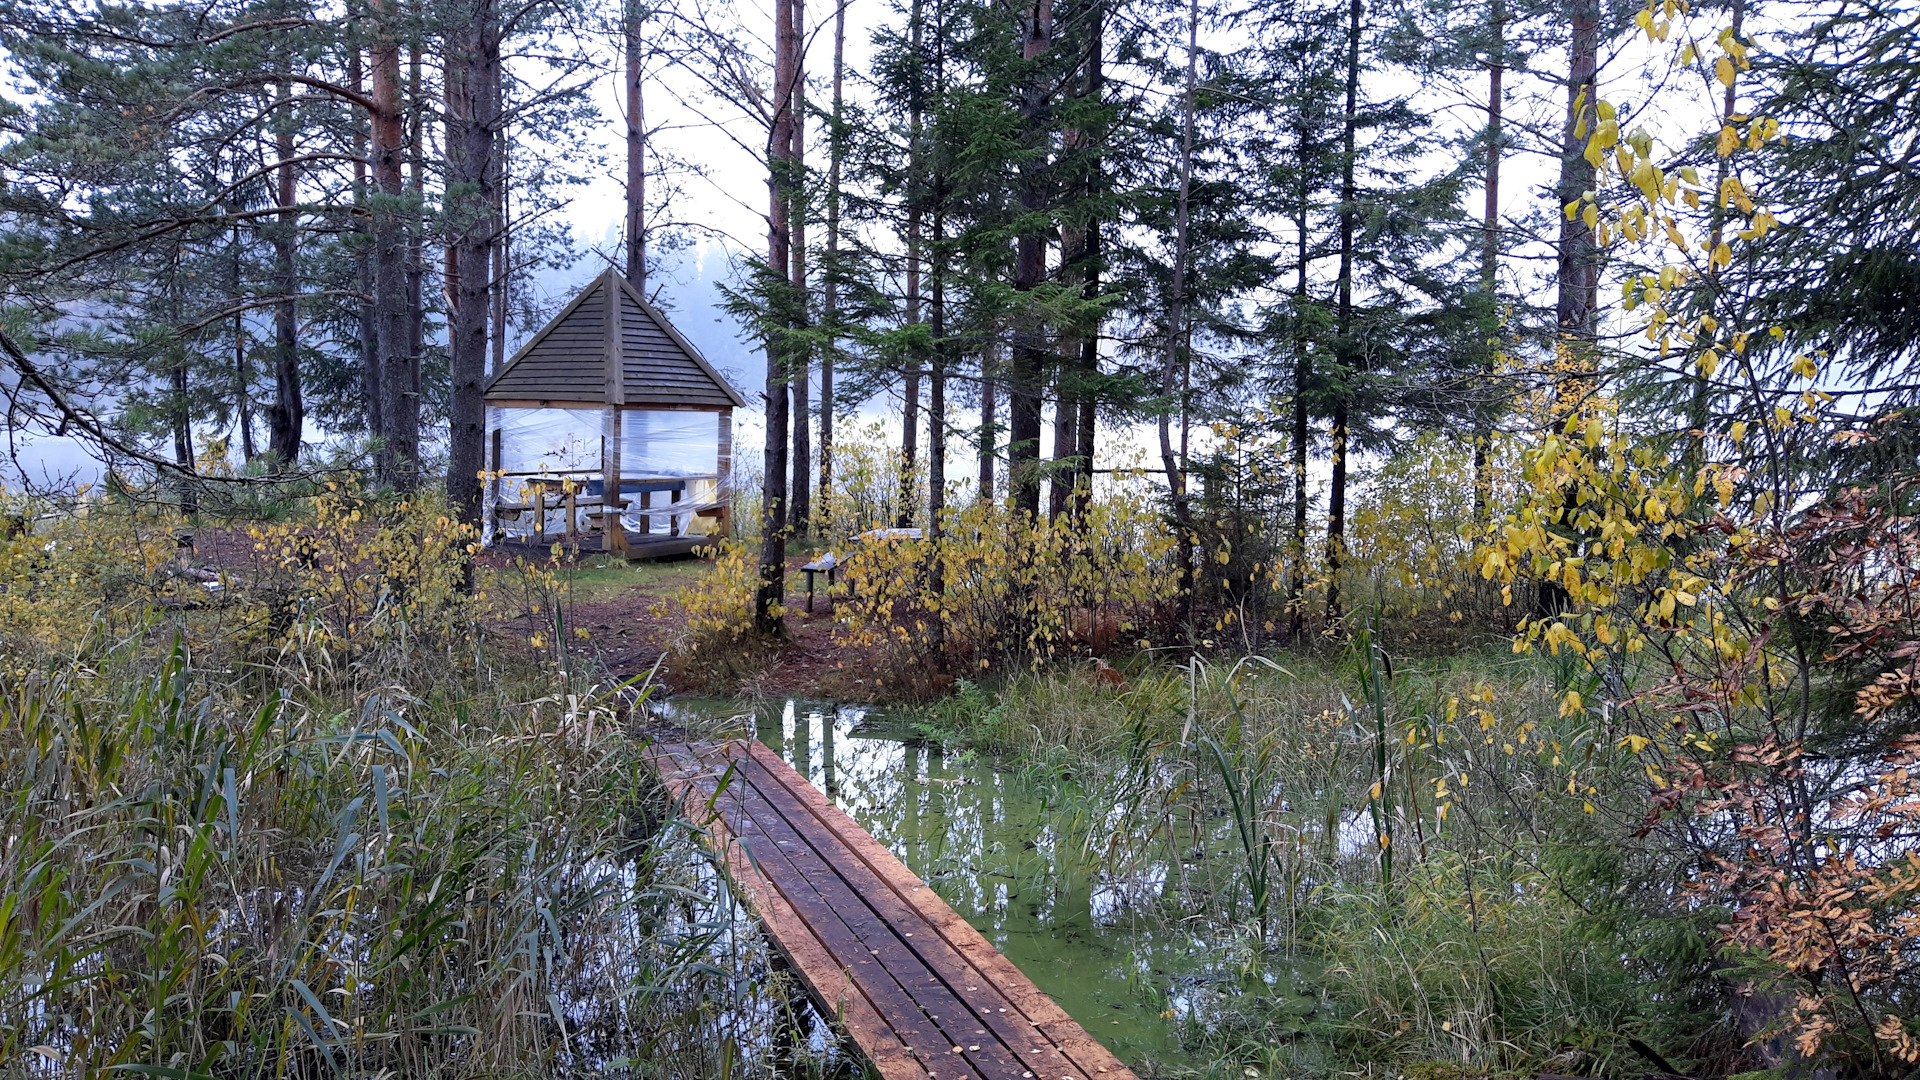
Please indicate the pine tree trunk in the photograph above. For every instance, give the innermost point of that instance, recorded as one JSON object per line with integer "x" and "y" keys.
{"x": 287, "y": 415}
{"x": 472, "y": 176}
{"x": 773, "y": 512}
{"x": 1302, "y": 377}
{"x": 500, "y": 254}
{"x": 1349, "y": 356}
{"x": 369, "y": 313}
{"x": 836, "y": 157}
{"x": 937, "y": 384}
{"x": 989, "y": 427}
{"x": 801, "y": 380}
{"x": 242, "y": 373}
{"x": 1026, "y": 372}
{"x": 1490, "y": 263}
{"x": 1086, "y": 416}
{"x": 937, "y": 428}
{"x": 1066, "y": 429}
{"x": 910, "y": 406}
{"x": 636, "y": 152}
{"x": 399, "y": 408}
{"x": 183, "y": 433}
{"x": 1171, "y": 380}
{"x": 1578, "y": 275}
{"x": 416, "y": 315}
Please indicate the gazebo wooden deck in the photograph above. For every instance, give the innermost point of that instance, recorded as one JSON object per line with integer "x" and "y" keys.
{"x": 609, "y": 415}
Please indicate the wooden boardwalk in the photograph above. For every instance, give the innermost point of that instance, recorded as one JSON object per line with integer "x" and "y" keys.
{"x": 918, "y": 990}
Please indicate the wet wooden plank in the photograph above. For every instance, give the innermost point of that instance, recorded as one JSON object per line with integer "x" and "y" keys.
{"x": 968, "y": 1007}
{"x": 1079, "y": 1049}
{"x": 845, "y": 888}
{"x": 1082, "y": 1049}
{"x": 691, "y": 780}
{"x": 871, "y": 953}
{"x": 920, "y": 992}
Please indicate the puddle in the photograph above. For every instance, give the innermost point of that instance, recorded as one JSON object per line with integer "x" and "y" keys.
{"x": 1002, "y": 848}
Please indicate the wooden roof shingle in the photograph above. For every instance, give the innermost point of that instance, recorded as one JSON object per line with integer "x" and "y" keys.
{"x": 609, "y": 345}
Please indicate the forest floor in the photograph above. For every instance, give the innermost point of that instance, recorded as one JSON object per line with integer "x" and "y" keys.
{"x": 631, "y": 617}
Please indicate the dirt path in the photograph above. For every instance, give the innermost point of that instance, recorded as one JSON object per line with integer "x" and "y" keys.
{"x": 631, "y": 619}
{"x": 630, "y": 615}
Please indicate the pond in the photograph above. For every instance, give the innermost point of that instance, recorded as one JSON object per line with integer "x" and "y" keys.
{"x": 1007, "y": 849}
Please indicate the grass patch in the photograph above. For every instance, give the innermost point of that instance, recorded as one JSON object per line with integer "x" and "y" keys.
{"x": 1510, "y": 926}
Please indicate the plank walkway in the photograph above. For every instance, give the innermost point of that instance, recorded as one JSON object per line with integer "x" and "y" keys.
{"x": 918, "y": 990}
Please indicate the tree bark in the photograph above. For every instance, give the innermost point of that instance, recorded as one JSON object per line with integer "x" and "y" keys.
{"x": 836, "y": 158}
{"x": 989, "y": 428}
{"x": 183, "y": 432}
{"x": 399, "y": 406}
{"x": 636, "y": 151}
{"x": 1490, "y": 263}
{"x": 500, "y": 256}
{"x": 1302, "y": 380}
{"x": 910, "y": 404}
{"x": 801, "y": 380}
{"x": 1074, "y": 476}
{"x": 472, "y": 176}
{"x": 242, "y": 372}
{"x": 1171, "y": 382}
{"x": 771, "y": 593}
{"x": 369, "y": 313}
{"x": 287, "y": 415}
{"x": 1578, "y": 277}
{"x": 1025, "y": 374}
{"x": 1349, "y": 356}
{"x": 416, "y": 314}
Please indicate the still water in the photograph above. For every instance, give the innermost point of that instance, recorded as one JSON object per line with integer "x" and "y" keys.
{"x": 1007, "y": 849}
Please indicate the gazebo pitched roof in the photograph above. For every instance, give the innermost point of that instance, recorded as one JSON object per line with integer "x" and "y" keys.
{"x": 610, "y": 346}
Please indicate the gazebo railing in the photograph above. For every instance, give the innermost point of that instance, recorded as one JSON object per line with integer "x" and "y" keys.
{"x": 571, "y": 491}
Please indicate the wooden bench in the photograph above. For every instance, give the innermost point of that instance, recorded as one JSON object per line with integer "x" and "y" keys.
{"x": 828, "y": 564}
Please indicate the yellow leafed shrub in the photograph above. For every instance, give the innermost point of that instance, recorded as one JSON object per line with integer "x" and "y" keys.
{"x": 98, "y": 567}
{"x": 364, "y": 585}
{"x": 716, "y": 642}
{"x": 996, "y": 585}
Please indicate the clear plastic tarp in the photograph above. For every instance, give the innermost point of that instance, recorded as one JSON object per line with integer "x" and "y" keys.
{"x": 654, "y": 442}
{"x": 550, "y": 440}
{"x": 659, "y": 442}
{"x": 539, "y": 447}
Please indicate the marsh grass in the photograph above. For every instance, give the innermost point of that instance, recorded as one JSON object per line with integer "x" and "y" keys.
{"x": 358, "y": 841}
{"x": 1407, "y": 828}
{"x": 199, "y": 880}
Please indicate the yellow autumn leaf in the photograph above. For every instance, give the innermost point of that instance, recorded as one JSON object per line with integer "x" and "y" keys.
{"x": 1723, "y": 70}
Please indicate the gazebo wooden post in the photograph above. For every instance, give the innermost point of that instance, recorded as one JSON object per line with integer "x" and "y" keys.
{"x": 493, "y": 482}
{"x": 613, "y": 535}
{"x": 723, "y": 466}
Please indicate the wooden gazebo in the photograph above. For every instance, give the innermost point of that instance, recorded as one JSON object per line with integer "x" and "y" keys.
{"x": 612, "y": 420}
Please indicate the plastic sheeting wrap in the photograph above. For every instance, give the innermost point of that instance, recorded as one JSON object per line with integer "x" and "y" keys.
{"x": 660, "y": 442}
{"x": 655, "y": 444}
{"x": 549, "y": 440}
